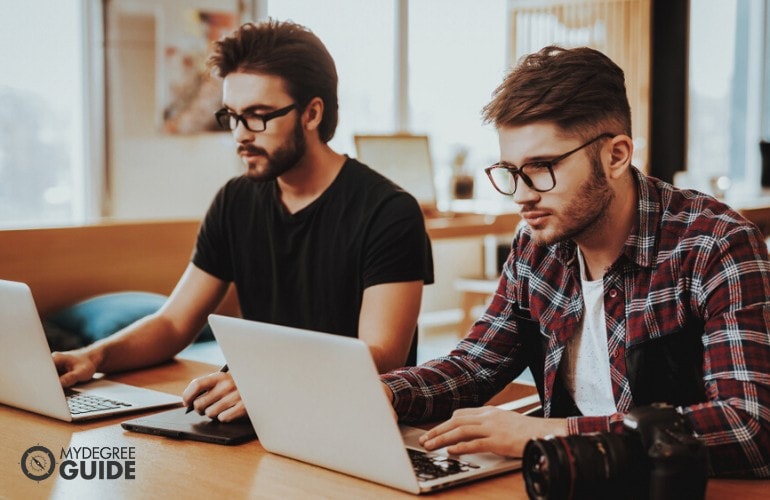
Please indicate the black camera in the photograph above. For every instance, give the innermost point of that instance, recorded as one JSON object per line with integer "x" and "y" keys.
{"x": 655, "y": 457}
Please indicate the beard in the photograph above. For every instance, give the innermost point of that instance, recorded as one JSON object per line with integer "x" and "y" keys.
{"x": 281, "y": 160}
{"x": 585, "y": 211}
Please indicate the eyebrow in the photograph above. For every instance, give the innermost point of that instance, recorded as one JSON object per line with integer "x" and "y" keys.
{"x": 263, "y": 108}
{"x": 527, "y": 161}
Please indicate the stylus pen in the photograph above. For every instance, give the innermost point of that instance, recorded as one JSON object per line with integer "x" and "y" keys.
{"x": 190, "y": 408}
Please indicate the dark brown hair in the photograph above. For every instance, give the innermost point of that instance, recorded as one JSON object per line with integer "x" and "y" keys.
{"x": 579, "y": 89}
{"x": 289, "y": 51}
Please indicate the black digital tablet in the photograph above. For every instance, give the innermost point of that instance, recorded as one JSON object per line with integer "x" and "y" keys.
{"x": 180, "y": 425}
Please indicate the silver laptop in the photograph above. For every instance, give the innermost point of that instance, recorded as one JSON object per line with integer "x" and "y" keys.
{"x": 404, "y": 159}
{"x": 28, "y": 377}
{"x": 317, "y": 398}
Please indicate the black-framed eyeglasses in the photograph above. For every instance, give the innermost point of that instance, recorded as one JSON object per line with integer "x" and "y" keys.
{"x": 537, "y": 175}
{"x": 254, "y": 122}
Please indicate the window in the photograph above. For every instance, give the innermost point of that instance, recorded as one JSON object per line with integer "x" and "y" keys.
{"x": 728, "y": 101}
{"x": 457, "y": 54}
{"x": 456, "y": 58}
{"x": 360, "y": 37}
{"x": 43, "y": 173}
{"x": 618, "y": 28}
{"x": 454, "y": 66}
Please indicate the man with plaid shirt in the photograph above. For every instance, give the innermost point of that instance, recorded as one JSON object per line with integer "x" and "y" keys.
{"x": 620, "y": 290}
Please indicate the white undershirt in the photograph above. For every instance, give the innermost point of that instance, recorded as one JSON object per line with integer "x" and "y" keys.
{"x": 586, "y": 359}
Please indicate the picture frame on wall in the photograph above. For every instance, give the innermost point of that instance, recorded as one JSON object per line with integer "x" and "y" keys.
{"x": 157, "y": 52}
{"x": 187, "y": 93}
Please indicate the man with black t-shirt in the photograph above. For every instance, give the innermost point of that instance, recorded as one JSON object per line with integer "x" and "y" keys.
{"x": 310, "y": 238}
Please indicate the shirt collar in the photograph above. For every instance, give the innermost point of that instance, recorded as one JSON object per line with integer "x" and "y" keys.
{"x": 641, "y": 245}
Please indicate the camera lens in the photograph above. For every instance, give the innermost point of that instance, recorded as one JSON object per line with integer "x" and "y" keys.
{"x": 590, "y": 466}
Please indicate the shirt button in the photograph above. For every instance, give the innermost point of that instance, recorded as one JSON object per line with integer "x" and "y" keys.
{"x": 613, "y": 293}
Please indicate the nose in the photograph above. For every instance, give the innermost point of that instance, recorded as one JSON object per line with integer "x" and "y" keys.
{"x": 241, "y": 134}
{"x": 525, "y": 194}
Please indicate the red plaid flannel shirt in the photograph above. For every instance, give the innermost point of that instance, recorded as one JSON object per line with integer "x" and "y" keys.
{"x": 688, "y": 257}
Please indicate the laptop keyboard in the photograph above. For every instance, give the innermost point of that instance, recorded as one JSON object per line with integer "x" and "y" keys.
{"x": 80, "y": 402}
{"x": 428, "y": 466}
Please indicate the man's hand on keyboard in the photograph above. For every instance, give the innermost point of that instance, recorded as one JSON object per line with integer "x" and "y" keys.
{"x": 490, "y": 429}
{"x": 73, "y": 367}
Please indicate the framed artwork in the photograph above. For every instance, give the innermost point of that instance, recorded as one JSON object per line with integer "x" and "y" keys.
{"x": 187, "y": 93}
{"x": 156, "y": 53}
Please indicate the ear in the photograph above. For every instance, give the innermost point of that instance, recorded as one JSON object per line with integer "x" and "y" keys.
{"x": 313, "y": 114}
{"x": 619, "y": 152}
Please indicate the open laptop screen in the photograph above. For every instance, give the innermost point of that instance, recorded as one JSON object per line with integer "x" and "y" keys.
{"x": 404, "y": 159}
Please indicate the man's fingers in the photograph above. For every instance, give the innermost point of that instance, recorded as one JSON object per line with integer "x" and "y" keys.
{"x": 214, "y": 385}
{"x": 453, "y": 436}
{"x": 71, "y": 370}
{"x": 233, "y": 413}
{"x": 480, "y": 445}
{"x": 68, "y": 379}
{"x": 469, "y": 416}
{"x": 219, "y": 399}
{"x": 218, "y": 409}
{"x": 193, "y": 389}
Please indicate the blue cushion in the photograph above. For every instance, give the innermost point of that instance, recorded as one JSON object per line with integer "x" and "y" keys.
{"x": 103, "y": 315}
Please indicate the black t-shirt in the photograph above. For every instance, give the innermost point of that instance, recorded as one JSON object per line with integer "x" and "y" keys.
{"x": 309, "y": 269}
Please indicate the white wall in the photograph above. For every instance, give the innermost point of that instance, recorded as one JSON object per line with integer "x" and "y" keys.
{"x": 151, "y": 173}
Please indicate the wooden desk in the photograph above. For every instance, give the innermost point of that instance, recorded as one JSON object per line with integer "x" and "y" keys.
{"x": 167, "y": 468}
{"x": 470, "y": 225}
{"x": 759, "y": 215}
